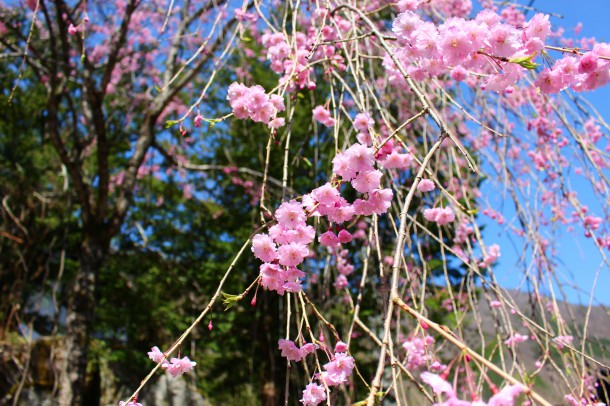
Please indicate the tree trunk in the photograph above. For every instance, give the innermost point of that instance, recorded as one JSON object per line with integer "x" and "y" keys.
{"x": 81, "y": 310}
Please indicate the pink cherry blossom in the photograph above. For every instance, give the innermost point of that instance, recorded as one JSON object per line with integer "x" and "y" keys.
{"x": 562, "y": 341}
{"x": 515, "y": 339}
{"x": 341, "y": 282}
{"x": 549, "y": 81}
{"x": 326, "y": 194}
{"x": 341, "y": 212}
{"x": 290, "y": 350}
{"x": 292, "y": 254}
{"x": 264, "y": 248}
{"x": 425, "y": 185}
{"x": 156, "y": 355}
{"x": 506, "y": 397}
{"x": 419, "y": 352}
{"x": 588, "y": 62}
{"x": 366, "y": 182}
{"x": 538, "y": 27}
{"x": 179, "y": 366}
{"x": 322, "y": 115}
{"x": 341, "y": 167}
{"x": 290, "y": 214}
{"x": 396, "y": 160}
{"x": 338, "y": 370}
{"x": 272, "y": 278}
{"x": 405, "y": 25}
{"x": 313, "y": 395}
{"x": 360, "y": 158}
{"x": 438, "y": 384}
{"x": 592, "y": 222}
{"x": 363, "y": 122}
{"x": 302, "y": 235}
{"x": 439, "y": 215}
{"x": 495, "y": 304}
{"x": 493, "y": 253}
{"x": 254, "y": 103}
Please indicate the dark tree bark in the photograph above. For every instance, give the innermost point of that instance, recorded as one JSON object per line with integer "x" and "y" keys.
{"x": 81, "y": 313}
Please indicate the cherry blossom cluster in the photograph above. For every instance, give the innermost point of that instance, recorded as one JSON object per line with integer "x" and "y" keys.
{"x": 505, "y": 397}
{"x": 292, "y": 234}
{"x": 493, "y": 253}
{"x": 286, "y": 245}
{"x": 459, "y": 298}
{"x": 419, "y": 354}
{"x": 583, "y": 401}
{"x": 588, "y": 71}
{"x": 440, "y": 216}
{"x": 463, "y": 233}
{"x": 293, "y": 353}
{"x": 562, "y": 341}
{"x": 335, "y": 248}
{"x": 336, "y": 371}
{"x": 515, "y": 339}
{"x": 363, "y": 122}
{"x": 176, "y": 366}
{"x": 356, "y": 166}
{"x": 393, "y": 158}
{"x": 323, "y": 116}
{"x": 343, "y": 265}
{"x": 243, "y": 16}
{"x": 339, "y": 368}
{"x": 254, "y": 103}
{"x": 313, "y": 395}
{"x": 499, "y": 46}
{"x": 460, "y": 46}
{"x": 590, "y": 383}
{"x": 548, "y": 154}
{"x": 294, "y": 57}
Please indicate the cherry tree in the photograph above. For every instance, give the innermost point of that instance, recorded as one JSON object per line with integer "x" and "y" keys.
{"x": 413, "y": 107}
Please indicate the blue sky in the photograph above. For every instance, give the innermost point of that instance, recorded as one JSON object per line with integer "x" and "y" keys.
{"x": 579, "y": 260}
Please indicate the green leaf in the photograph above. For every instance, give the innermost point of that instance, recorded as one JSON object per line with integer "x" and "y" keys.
{"x": 230, "y": 300}
{"x": 170, "y": 123}
{"x": 525, "y": 61}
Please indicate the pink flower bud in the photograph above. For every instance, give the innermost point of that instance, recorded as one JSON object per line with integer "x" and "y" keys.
{"x": 340, "y": 347}
{"x": 588, "y": 63}
{"x": 344, "y": 236}
{"x": 328, "y": 239}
